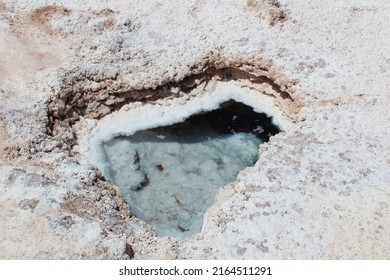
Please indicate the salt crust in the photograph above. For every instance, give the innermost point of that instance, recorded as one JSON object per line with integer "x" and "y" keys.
{"x": 318, "y": 191}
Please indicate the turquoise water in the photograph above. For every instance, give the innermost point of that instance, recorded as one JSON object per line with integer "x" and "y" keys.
{"x": 170, "y": 175}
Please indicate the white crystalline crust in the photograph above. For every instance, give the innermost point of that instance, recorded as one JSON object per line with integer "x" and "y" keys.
{"x": 320, "y": 190}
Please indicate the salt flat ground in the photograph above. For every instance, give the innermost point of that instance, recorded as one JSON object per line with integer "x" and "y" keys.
{"x": 320, "y": 190}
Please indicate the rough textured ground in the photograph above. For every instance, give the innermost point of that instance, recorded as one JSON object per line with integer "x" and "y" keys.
{"x": 319, "y": 191}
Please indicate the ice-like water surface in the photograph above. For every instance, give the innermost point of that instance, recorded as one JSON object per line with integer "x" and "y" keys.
{"x": 170, "y": 175}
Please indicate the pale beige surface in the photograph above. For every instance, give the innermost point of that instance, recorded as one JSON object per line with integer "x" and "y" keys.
{"x": 319, "y": 191}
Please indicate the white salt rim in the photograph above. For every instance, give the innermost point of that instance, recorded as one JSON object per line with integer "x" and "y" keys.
{"x": 138, "y": 116}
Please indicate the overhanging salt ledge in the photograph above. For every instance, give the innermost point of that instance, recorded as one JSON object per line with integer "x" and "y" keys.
{"x": 170, "y": 158}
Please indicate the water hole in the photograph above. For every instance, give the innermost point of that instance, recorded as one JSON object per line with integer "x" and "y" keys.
{"x": 170, "y": 174}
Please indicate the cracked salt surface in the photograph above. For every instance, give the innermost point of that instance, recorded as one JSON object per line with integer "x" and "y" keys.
{"x": 170, "y": 174}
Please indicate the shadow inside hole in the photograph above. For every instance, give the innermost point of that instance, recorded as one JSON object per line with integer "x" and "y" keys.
{"x": 170, "y": 174}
